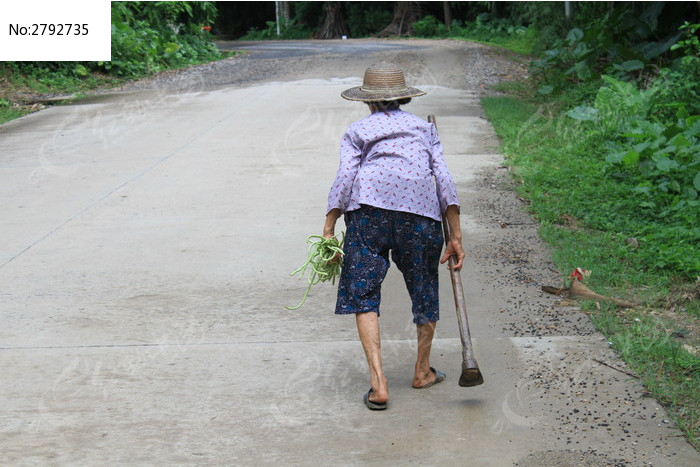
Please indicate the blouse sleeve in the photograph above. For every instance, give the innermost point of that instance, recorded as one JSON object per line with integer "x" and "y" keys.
{"x": 446, "y": 189}
{"x": 350, "y": 157}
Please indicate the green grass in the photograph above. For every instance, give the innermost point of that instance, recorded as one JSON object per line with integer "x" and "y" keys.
{"x": 57, "y": 82}
{"x": 7, "y": 114}
{"x": 521, "y": 44}
{"x": 588, "y": 219}
{"x": 57, "y": 78}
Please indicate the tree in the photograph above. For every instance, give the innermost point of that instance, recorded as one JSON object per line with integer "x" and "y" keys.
{"x": 448, "y": 14}
{"x": 405, "y": 14}
{"x": 333, "y": 26}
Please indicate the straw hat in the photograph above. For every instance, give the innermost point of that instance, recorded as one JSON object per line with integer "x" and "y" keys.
{"x": 382, "y": 82}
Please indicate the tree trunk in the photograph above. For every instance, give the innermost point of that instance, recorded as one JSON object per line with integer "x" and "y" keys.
{"x": 569, "y": 10}
{"x": 287, "y": 8}
{"x": 277, "y": 18}
{"x": 405, "y": 14}
{"x": 448, "y": 14}
{"x": 494, "y": 9}
{"x": 334, "y": 23}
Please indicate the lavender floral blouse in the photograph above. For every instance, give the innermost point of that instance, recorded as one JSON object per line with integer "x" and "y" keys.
{"x": 393, "y": 162}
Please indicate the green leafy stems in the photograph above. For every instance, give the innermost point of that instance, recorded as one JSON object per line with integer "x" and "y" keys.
{"x": 325, "y": 258}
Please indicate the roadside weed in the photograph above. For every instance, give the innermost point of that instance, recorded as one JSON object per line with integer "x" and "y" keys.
{"x": 592, "y": 219}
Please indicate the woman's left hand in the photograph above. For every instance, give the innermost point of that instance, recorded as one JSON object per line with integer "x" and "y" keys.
{"x": 454, "y": 248}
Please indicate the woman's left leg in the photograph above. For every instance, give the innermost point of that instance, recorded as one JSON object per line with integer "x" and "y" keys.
{"x": 417, "y": 255}
{"x": 423, "y": 374}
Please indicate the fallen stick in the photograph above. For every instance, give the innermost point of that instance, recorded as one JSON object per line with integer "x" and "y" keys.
{"x": 577, "y": 289}
{"x": 614, "y": 368}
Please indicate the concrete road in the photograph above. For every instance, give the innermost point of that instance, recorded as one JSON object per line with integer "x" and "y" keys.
{"x": 145, "y": 252}
{"x": 294, "y": 49}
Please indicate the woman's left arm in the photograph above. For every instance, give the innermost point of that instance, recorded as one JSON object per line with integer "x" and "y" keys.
{"x": 446, "y": 189}
{"x": 454, "y": 243}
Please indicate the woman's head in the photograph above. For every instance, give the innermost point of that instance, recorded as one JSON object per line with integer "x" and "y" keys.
{"x": 382, "y": 82}
{"x": 384, "y": 106}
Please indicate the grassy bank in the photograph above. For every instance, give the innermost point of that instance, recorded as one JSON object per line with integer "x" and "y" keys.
{"x": 147, "y": 37}
{"x": 590, "y": 220}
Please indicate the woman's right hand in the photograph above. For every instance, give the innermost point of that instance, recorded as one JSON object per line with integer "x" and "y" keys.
{"x": 329, "y": 229}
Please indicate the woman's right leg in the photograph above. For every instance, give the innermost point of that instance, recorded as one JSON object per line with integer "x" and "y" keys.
{"x": 368, "y": 329}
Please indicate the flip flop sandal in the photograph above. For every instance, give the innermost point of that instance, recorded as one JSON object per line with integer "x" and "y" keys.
{"x": 439, "y": 377}
{"x": 373, "y": 405}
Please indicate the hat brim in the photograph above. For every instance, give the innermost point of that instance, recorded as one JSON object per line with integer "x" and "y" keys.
{"x": 358, "y": 94}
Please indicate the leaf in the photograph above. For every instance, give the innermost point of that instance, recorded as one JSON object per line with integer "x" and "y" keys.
{"x": 693, "y": 124}
{"x": 643, "y": 189}
{"x": 170, "y": 48}
{"x": 651, "y": 50}
{"x": 631, "y": 158}
{"x": 696, "y": 181}
{"x": 583, "y": 70}
{"x": 546, "y": 89}
{"x": 641, "y": 147}
{"x": 583, "y": 113}
{"x": 679, "y": 141}
{"x": 574, "y": 36}
{"x": 664, "y": 164}
{"x": 632, "y": 65}
{"x": 615, "y": 157}
{"x": 80, "y": 70}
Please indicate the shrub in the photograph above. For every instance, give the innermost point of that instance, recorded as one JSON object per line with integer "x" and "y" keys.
{"x": 291, "y": 31}
{"x": 365, "y": 18}
{"x": 151, "y": 36}
{"x": 428, "y": 27}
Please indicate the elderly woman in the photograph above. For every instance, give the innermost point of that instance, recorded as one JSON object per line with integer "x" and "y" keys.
{"x": 393, "y": 187}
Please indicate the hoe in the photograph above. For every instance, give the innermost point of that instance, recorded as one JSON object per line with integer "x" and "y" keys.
{"x": 471, "y": 375}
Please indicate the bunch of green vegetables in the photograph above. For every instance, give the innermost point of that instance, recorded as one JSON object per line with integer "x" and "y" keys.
{"x": 325, "y": 259}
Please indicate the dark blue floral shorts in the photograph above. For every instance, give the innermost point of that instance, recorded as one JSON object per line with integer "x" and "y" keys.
{"x": 415, "y": 243}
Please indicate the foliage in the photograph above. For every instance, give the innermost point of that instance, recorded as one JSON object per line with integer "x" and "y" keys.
{"x": 561, "y": 169}
{"x": 429, "y": 26}
{"x": 641, "y": 131}
{"x": 151, "y": 36}
{"x": 8, "y": 113}
{"x": 498, "y": 31}
{"x": 55, "y": 77}
{"x": 365, "y": 18}
{"x": 308, "y": 14}
{"x": 632, "y": 176}
{"x": 679, "y": 85}
{"x": 290, "y": 31}
{"x": 620, "y": 44}
{"x": 146, "y": 37}
{"x": 657, "y": 161}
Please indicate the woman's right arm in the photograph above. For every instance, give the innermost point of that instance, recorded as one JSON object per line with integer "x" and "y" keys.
{"x": 350, "y": 156}
{"x": 331, "y": 219}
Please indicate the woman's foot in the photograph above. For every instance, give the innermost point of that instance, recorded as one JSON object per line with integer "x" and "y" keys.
{"x": 371, "y": 404}
{"x": 425, "y": 380}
